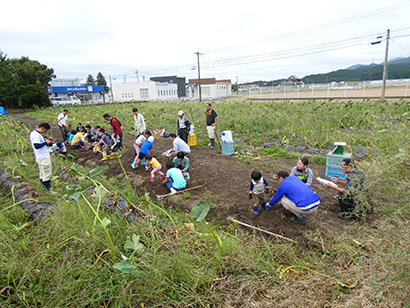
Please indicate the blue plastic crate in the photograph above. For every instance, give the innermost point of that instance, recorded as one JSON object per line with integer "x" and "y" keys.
{"x": 334, "y": 160}
{"x": 335, "y": 172}
{"x": 228, "y": 147}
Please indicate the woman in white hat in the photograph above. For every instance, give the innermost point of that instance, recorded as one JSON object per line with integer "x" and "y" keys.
{"x": 183, "y": 126}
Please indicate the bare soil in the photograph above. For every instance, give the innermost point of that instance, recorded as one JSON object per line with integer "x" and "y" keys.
{"x": 226, "y": 180}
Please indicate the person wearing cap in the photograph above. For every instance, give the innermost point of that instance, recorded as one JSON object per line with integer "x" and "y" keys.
{"x": 183, "y": 126}
{"x": 139, "y": 122}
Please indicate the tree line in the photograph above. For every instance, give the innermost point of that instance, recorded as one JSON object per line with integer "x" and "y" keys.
{"x": 24, "y": 82}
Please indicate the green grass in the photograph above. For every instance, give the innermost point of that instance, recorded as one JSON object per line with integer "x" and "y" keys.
{"x": 52, "y": 264}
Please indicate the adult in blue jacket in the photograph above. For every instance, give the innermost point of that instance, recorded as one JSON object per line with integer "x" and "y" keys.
{"x": 296, "y": 196}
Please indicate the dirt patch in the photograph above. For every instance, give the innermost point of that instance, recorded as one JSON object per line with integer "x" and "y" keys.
{"x": 226, "y": 180}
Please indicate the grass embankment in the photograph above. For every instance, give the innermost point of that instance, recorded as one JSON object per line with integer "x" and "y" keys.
{"x": 69, "y": 260}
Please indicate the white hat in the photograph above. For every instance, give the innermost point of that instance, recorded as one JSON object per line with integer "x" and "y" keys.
{"x": 150, "y": 139}
{"x": 180, "y": 112}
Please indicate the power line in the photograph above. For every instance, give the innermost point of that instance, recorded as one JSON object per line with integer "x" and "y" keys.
{"x": 319, "y": 27}
{"x": 271, "y": 56}
{"x": 287, "y": 51}
{"x": 394, "y": 40}
{"x": 219, "y": 62}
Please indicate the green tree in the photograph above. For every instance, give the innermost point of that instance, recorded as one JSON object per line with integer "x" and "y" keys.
{"x": 33, "y": 95}
{"x": 24, "y": 82}
{"x": 32, "y": 72}
{"x": 90, "y": 80}
{"x": 9, "y": 83}
{"x": 102, "y": 82}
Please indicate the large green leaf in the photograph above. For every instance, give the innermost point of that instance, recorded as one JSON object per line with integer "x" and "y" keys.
{"x": 99, "y": 192}
{"x": 97, "y": 171}
{"x": 200, "y": 210}
{"x": 105, "y": 222}
{"x": 134, "y": 244}
{"x": 75, "y": 196}
{"x": 124, "y": 266}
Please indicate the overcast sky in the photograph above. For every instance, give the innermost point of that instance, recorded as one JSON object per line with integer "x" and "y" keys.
{"x": 253, "y": 40}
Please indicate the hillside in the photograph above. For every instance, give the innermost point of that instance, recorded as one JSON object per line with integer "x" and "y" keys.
{"x": 398, "y": 68}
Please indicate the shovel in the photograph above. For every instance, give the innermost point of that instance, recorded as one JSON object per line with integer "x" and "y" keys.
{"x": 162, "y": 197}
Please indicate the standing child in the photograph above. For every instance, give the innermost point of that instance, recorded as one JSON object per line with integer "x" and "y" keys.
{"x": 137, "y": 147}
{"x": 175, "y": 180}
{"x": 181, "y": 162}
{"x": 145, "y": 148}
{"x": 258, "y": 185}
{"x": 156, "y": 167}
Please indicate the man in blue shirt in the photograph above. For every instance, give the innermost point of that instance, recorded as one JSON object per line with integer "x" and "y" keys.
{"x": 296, "y": 196}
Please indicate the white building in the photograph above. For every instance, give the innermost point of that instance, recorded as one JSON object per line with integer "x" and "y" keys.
{"x": 144, "y": 91}
{"x": 210, "y": 88}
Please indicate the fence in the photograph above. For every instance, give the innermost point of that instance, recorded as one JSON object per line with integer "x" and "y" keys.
{"x": 363, "y": 89}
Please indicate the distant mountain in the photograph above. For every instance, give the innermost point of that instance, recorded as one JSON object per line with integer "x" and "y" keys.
{"x": 356, "y": 66}
{"x": 398, "y": 68}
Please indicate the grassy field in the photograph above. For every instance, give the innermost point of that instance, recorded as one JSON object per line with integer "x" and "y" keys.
{"x": 84, "y": 256}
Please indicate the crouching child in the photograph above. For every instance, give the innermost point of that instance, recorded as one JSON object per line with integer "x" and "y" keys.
{"x": 174, "y": 179}
{"x": 181, "y": 162}
{"x": 58, "y": 148}
{"x": 258, "y": 186}
{"x": 104, "y": 145}
{"x": 153, "y": 163}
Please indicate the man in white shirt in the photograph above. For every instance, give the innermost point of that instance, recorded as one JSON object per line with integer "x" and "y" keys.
{"x": 179, "y": 144}
{"x": 42, "y": 153}
{"x": 62, "y": 124}
{"x": 139, "y": 122}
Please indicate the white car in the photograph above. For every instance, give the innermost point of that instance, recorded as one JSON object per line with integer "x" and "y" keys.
{"x": 62, "y": 101}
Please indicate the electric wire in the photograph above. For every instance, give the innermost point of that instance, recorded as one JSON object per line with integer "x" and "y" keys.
{"x": 317, "y": 28}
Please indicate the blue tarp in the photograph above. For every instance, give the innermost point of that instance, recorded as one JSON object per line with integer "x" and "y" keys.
{"x": 3, "y": 111}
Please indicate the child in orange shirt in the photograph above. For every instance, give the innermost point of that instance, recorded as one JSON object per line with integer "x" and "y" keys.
{"x": 156, "y": 167}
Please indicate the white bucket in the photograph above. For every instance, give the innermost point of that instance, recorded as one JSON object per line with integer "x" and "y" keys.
{"x": 226, "y": 136}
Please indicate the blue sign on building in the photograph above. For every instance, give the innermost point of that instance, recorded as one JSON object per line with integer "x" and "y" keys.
{"x": 76, "y": 89}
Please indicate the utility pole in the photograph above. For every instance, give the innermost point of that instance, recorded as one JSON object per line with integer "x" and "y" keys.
{"x": 386, "y": 57}
{"x": 199, "y": 78}
{"x": 136, "y": 72}
{"x": 112, "y": 97}
{"x": 125, "y": 78}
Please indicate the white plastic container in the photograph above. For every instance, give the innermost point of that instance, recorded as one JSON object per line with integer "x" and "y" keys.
{"x": 191, "y": 131}
{"x": 226, "y": 136}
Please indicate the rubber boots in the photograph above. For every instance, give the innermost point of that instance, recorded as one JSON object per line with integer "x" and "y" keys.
{"x": 104, "y": 156}
{"x": 134, "y": 164}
